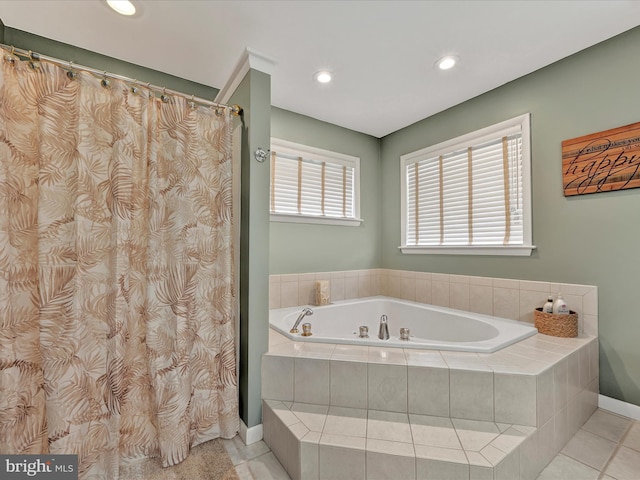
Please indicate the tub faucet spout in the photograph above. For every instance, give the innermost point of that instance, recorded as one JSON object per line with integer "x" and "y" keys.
{"x": 304, "y": 313}
{"x": 383, "y": 332}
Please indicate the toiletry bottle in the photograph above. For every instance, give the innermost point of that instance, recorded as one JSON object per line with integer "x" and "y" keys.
{"x": 548, "y": 307}
{"x": 560, "y": 306}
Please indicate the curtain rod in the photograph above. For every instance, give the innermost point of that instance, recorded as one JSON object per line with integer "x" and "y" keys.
{"x": 70, "y": 66}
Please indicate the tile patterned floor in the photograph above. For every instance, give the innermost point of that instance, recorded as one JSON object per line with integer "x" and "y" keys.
{"x": 607, "y": 447}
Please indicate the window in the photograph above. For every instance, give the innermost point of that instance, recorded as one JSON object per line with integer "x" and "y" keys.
{"x": 471, "y": 194}
{"x": 311, "y": 185}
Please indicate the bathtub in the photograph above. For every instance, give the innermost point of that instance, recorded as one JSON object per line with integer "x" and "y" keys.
{"x": 431, "y": 327}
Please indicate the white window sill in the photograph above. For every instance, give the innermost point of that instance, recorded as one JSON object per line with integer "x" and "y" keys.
{"x": 508, "y": 250}
{"x": 282, "y": 217}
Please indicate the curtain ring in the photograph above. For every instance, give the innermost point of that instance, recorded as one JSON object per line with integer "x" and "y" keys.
{"x": 134, "y": 88}
{"x": 105, "y": 81}
{"x": 192, "y": 103}
{"x": 70, "y": 73}
{"x": 10, "y": 57}
{"x": 164, "y": 97}
{"x": 33, "y": 63}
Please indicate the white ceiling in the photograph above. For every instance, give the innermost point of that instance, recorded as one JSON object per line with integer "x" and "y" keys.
{"x": 382, "y": 53}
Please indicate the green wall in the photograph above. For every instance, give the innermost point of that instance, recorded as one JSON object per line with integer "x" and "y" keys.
{"x": 254, "y": 94}
{"x": 591, "y": 239}
{"x": 300, "y": 248}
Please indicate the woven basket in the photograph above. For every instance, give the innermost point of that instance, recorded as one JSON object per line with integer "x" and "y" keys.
{"x": 556, "y": 324}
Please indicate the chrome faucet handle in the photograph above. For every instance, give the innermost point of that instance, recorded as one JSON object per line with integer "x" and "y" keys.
{"x": 383, "y": 331}
{"x": 305, "y": 312}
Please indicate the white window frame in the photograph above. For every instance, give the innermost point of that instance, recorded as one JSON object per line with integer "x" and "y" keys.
{"x": 305, "y": 151}
{"x": 523, "y": 123}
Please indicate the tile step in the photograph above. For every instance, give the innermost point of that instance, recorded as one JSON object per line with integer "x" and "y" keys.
{"x": 320, "y": 442}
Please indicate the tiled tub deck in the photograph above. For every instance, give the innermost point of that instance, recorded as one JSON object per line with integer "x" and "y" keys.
{"x": 353, "y": 412}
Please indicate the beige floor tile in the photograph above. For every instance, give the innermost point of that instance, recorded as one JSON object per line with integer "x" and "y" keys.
{"x": 433, "y": 431}
{"x": 313, "y": 416}
{"x": 346, "y": 421}
{"x": 565, "y": 468}
{"x": 474, "y": 435}
{"x": 632, "y": 440}
{"x": 607, "y": 425}
{"x": 589, "y": 449}
{"x": 390, "y": 426}
{"x": 625, "y": 465}
{"x": 267, "y": 467}
{"x": 239, "y": 452}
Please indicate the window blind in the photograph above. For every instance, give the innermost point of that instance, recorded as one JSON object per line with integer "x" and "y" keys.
{"x": 312, "y": 186}
{"x": 469, "y": 194}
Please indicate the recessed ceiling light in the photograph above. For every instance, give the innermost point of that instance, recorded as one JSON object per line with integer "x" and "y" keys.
{"x": 123, "y": 7}
{"x": 445, "y": 63}
{"x": 323, "y": 77}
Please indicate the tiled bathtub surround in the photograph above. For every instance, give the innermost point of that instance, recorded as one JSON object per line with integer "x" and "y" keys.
{"x": 331, "y": 409}
{"x": 507, "y": 298}
{"x": 342, "y": 411}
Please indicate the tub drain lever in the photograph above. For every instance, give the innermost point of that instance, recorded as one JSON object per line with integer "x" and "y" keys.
{"x": 383, "y": 331}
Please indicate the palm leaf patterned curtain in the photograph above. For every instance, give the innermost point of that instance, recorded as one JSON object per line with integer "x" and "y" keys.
{"x": 117, "y": 311}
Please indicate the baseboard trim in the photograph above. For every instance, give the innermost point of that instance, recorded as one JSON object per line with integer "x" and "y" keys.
{"x": 250, "y": 435}
{"x": 618, "y": 406}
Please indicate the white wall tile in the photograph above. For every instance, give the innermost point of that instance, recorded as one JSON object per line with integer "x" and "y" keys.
{"x": 506, "y": 283}
{"x": 459, "y": 296}
{"x": 306, "y": 292}
{"x": 440, "y": 292}
{"x": 274, "y": 294}
{"x": 506, "y": 303}
{"x": 529, "y": 301}
{"x": 594, "y": 355}
{"x": 337, "y": 288}
{"x": 459, "y": 279}
{"x": 288, "y": 294}
{"x": 590, "y": 325}
{"x": 545, "y": 396}
{"x": 311, "y": 381}
{"x": 387, "y": 387}
{"x": 376, "y": 287}
{"x": 348, "y": 384}
{"x": 482, "y": 281}
{"x": 408, "y": 288}
{"x": 306, "y": 277}
{"x": 560, "y": 429}
{"x": 590, "y": 302}
{"x": 339, "y": 462}
{"x": 515, "y": 399}
{"x": 381, "y": 465}
{"x": 481, "y": 299}
{"x": 471, "y": 394}
{"x": 440, "y": 277}
{"x": 309, "y": 461}
{"x": 428, "y": 391}
{"x": 350, "y": 287}
{"x": 560, "y": 384}
{"x": 364, "y": 285}
{"x": 573, "y": 376}
{"x": 584, "y": 366}
{"x": 423, "y": 290}
{"x": 277, "y": 377}
{"x": 543, "y": 287}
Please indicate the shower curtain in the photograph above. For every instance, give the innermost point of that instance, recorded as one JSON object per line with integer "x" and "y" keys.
{"x": 117, "y": 302}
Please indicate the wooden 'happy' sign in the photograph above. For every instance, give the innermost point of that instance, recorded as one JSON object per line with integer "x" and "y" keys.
{"x": 602, "y": 162}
